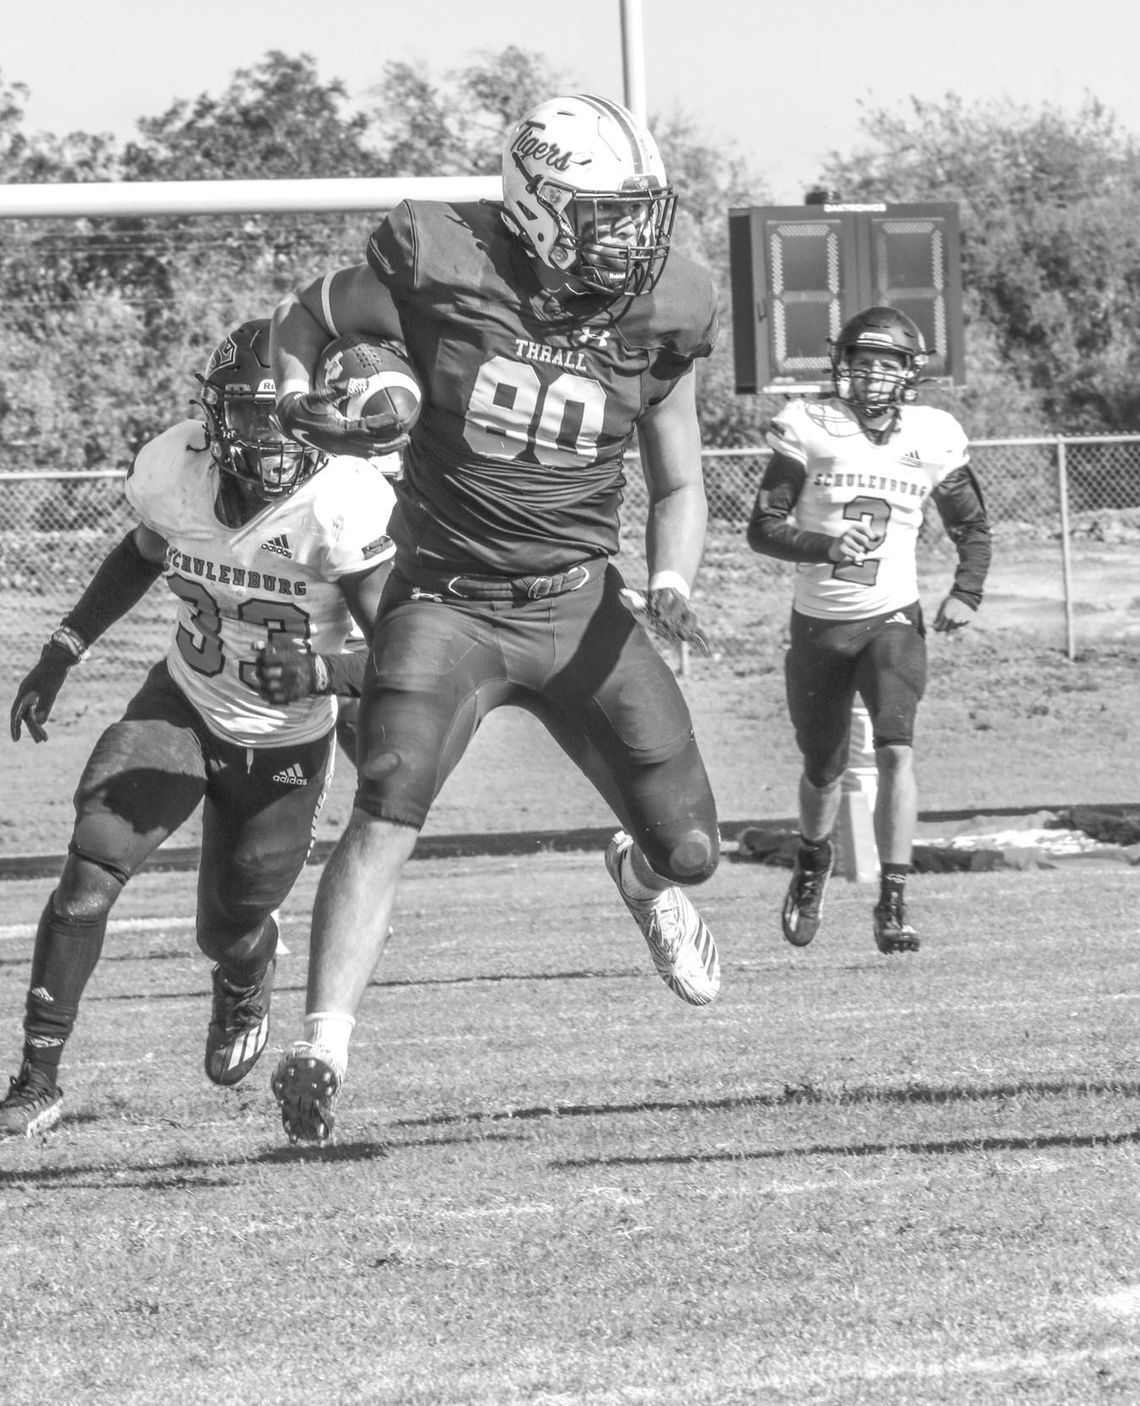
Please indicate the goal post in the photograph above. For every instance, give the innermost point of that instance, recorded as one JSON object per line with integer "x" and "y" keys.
{"x": 108, "y": 199}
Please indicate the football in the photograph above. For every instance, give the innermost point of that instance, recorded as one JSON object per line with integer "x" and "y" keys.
{"x": 373, "y": 380}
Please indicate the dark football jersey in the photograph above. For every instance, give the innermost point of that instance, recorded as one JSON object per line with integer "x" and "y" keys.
{"x": 515, "y": 466}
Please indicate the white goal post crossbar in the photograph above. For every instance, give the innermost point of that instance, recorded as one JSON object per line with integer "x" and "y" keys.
{"x": 78, "y": 200}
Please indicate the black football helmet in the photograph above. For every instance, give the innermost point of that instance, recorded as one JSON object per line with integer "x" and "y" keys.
{"x": 239, "y": 396}
{"x": 885, "y": 330}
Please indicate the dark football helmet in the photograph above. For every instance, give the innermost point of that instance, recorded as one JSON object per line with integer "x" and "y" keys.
{"x": 584, "y": 186}
{"x": 884, "y": 330}
{"x": 239, "y": 398}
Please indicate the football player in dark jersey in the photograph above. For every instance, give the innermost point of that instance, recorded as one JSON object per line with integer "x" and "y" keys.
{"x": 546, "y": 331}
{"x": 843, "y": 495}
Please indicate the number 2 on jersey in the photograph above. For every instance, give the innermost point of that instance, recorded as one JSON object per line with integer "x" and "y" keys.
{"x": 875, "y": 514}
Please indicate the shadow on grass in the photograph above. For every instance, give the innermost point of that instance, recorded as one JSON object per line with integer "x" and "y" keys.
{"x": 795, "y": 1096}
{"x": 1029, "y": 1143}
{"x": 203, "y": 1173}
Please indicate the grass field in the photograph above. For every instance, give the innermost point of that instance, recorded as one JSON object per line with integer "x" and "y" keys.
{"x": 853, "y": 1179}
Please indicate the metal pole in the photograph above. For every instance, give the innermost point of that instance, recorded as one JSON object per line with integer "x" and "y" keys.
{"x": 633, "y": 58}
{"x": 1066, "y": 559}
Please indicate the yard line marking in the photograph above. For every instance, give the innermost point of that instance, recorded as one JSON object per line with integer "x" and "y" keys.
{"x": 1123, "y": 1301}
{"x": 954, "y": 1367}
{"x": 11, "y": 931}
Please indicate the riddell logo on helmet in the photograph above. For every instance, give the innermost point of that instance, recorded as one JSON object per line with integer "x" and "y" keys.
{"x": 549, "y": 154}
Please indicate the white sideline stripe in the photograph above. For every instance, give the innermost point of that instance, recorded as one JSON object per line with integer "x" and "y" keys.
{"x": 11, "y": 931}
{"x": 955, "y": 1367}
{"x": 1123, "y": 1301}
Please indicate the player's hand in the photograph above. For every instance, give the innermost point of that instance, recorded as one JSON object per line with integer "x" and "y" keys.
{"x": 285, "y": 674}
{"x": 855, "y": 543}
{"x": 312, "y": 418}
{"x": 667, "y": 614}
{"x": 36, "y": 696}
{"x": 953, "y": 614}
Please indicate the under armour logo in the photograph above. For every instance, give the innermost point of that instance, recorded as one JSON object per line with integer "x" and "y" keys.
{"x": 591, "y": 336}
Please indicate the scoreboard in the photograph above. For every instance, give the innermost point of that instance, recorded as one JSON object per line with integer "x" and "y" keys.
{"x": 799, "y": 272}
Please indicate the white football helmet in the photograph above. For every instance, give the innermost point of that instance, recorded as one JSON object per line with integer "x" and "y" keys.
{"x": 585, "y": 188}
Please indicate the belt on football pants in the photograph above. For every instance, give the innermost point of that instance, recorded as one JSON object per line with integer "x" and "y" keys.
{"x": 503, "y": 587}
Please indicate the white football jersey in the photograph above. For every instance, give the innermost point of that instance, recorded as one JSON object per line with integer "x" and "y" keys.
{"x": 276, "y": 575}
{"x": 847, "y": 477}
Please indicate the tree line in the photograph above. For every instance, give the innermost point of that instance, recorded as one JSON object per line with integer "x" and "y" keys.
{"x": 106, "y": 320}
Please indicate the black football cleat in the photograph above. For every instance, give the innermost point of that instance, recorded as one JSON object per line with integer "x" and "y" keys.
{"x": 803, "y": 902}
{"x": 32, "y": 1107}
{"x": 239, "y": 1026}
{"x": 892, "y": 931}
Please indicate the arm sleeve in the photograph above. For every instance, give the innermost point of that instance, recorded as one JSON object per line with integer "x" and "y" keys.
{"x": 121, "y": 580}
{"x": 769, "y": 531}
{"x": 345, "y": 672}
{"x": 958, "y": 499}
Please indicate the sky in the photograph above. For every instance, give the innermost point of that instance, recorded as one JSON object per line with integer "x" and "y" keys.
{"x": 783, "y": 83}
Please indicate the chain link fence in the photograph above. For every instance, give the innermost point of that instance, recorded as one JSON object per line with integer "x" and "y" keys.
{"x": 1076, "y": 493}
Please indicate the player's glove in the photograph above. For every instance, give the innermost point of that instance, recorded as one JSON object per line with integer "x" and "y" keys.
{"x": 286, "y": 674}
{"x": 36, "y": 696}
{"x": 312, "y": 418}
{"x": 667, "y": 614}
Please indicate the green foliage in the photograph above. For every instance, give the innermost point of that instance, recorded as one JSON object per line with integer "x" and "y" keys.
{"x": 1050, "y": 208}
{"x": 1050, "y": 211}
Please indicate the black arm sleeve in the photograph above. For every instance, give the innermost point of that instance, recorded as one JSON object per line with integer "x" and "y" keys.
{"x": 958, "y": 499}
{"x": 769, "y": 531}
{"x": 346, "y": 672}
{"x": 121, "y": 580}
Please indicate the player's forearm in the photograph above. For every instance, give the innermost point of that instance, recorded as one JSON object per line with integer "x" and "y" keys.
{"x": 675, "y": 533}
{"x": 342, "y": 673}
{"x": 772, "y": 535}
{"x": 121, "y": 580}
{"x": 975, "y": 551}
{"x": 296, "y": 339}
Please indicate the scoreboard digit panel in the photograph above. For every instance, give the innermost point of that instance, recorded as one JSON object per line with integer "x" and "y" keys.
{"x": 799, "y": 272}
{"x": 913, "y": 260}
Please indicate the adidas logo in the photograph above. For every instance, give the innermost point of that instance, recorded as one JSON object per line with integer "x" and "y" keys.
{"x": 291, "y": 776}
{"x": 913, "y": 459}
{"x": 900, "y": 617}
{"x": 280, "y": 545}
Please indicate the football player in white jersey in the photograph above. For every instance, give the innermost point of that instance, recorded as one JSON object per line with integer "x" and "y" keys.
{"x": 272, "y": 551}
{"x": 843, "y": 497}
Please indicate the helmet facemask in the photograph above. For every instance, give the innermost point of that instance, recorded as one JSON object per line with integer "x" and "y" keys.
{"x": 875, "y": 362}
{"x": 239, "y": 398}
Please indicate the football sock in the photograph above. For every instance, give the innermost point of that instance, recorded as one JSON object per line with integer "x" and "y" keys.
{"x": 815, "y": 853}
{"x": 66, "y": 953}
{"x": 243, "y": 964}
{"x": 892, "y": 882}
{"x": 330, "y": 1031}
{"x": 639, "y": 880}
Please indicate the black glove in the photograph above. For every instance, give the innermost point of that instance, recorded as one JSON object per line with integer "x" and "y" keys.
{"x": 36, "y": 696}
{"x": 312, "y": 418}
{"x": 669, "y": 615}
{"x": 286, "y": 674}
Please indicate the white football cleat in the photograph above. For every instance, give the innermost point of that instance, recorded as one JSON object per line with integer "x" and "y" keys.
{"x": 682, "y": 947}
{"x": 305, "y": 1084}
